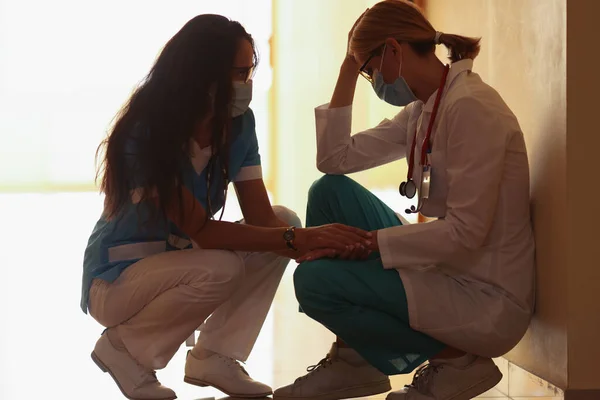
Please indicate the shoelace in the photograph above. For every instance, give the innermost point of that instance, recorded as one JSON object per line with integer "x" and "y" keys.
{"x": 423, "y": 376}
{"x": 146, "y": 375}
{"x": 153, "y": 376}
{"x": 235, "y": 363}
{"x": 313, "y": 369}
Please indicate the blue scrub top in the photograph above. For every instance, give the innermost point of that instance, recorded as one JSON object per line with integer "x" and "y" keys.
{"x": 116, "y": 244}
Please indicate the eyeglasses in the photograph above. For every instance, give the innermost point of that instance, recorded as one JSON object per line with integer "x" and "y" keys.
{"x": 246, "y": 73}
{"x": 362, "y": 70}
{"x": 364, "y": 73}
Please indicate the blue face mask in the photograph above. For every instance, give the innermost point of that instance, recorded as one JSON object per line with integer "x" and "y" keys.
{"x": 397, "y": 93}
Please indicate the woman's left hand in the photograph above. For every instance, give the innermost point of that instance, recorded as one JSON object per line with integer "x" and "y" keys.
{"x": 354, "y": 253}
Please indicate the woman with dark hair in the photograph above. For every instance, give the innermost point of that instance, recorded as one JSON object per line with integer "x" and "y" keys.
{"x": 158, "y": 264}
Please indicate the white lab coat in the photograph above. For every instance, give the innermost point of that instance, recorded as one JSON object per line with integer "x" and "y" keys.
{"x": 469, "y": 275}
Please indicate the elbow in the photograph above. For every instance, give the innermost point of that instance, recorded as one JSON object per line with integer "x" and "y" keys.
{"x": 333, "y": 162}
{"x": 329, "y": 170}
{"x": 326, "y": 168}
{"x": 331, "y": 166}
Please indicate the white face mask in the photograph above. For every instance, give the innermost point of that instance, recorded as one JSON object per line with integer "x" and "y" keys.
{"x": 242, "y": 96}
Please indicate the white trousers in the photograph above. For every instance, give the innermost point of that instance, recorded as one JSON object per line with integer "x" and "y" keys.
{"x": 159, "y": 301}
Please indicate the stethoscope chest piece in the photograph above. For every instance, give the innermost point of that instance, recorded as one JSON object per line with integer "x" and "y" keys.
{"x": 408, "y": 189}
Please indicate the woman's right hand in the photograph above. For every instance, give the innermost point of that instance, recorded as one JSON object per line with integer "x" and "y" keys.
{"x": 343, "y": 95}
{"x": 333, "y": 236}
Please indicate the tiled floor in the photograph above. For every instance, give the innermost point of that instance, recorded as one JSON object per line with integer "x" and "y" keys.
{"x": 45, "y": 339}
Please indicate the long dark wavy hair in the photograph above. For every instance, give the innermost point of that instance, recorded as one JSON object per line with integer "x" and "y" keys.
{"x": 191, "y": 77}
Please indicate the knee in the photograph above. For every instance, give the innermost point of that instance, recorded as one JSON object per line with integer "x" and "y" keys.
{"x": 230, "y": 268}
{"x": 328, "y": 185}
{"x": 225, "y": 274}
{"x": 287, "y": 216}
{"x": 307, "y": 280}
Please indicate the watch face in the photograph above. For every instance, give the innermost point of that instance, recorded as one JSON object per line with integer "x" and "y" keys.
{"x": 289, "y": 235}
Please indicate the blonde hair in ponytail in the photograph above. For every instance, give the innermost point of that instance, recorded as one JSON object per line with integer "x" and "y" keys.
{"x": 405, "y": 22}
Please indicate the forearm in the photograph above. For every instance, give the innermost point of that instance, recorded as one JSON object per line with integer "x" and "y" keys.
{"x": 264, "y": 236}
{"x": 343, "y": 94}
{"x": 189, "y": 216}
{"x": 272, "y": 222}
{"x": 429, "y": 243}
{"x": 240, "y": 237}
{"x": 275, "y": 222}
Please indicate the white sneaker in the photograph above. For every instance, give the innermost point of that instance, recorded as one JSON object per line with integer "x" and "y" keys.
{"x": 442, "y": 380}
{"x": 225, "y": 374}
{"x": 134, "y": 381}
{"x": 343, "y": 374}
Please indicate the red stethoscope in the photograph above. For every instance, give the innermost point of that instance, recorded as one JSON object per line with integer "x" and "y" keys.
{"x": 409, "y": 187}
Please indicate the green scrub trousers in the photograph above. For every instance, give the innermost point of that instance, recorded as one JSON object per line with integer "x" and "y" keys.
{"x": 360, "y": 301}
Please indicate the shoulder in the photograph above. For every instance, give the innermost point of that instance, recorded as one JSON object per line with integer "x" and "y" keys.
{"x": 478, "y": 111}
{"x": 468, "y": 106}
{"x": 480, "y": 105}
{"x": 470, "y": 96}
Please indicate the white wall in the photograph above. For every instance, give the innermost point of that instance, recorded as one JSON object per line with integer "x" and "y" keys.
{"x": 307, "y": 62}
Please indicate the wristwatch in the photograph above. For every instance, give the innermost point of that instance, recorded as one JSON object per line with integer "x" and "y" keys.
{"x": 289, "y": 235}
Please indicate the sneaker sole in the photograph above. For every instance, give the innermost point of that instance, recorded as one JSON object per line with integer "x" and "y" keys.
{"x": 347, "y": 393}
{"x": 480, "y": 387}
{"x": 198, "y": 382}
{"x": 105, "y": 369}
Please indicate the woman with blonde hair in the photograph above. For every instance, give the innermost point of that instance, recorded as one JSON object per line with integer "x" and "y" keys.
{"x": 454, "y": 292}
